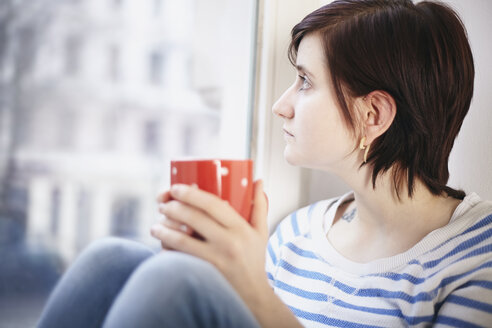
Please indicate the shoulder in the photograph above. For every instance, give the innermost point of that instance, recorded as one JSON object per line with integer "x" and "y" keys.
{"x": 473, "y": 216}
{"x": 471, "y": 225}
{"x": 463, "y": 268}
{"x": 466, "y": 248}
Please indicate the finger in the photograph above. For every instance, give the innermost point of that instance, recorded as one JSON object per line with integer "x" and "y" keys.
{"x": 217, "y": 208}
{"x": 195, "y": 219}
{"x": 164, "y": 247}
{"x": 260, "y": 209}
{"x": 163, "y": 197}
{"x": 170, "y": 223}
{"x": 177, "y": 226}
{"x": 179, "y": 241}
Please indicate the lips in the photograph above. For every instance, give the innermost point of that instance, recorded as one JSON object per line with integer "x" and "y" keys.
{"x": 287, "y": 132}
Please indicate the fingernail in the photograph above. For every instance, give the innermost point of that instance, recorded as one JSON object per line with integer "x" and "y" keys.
{"x": 156, "y": 229}
{"x": 176, "y": 189}
{"x": 183, "y": 227}
{"x": 162, "y": 207}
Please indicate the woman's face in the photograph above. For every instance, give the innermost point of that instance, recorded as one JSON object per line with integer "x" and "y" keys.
{"x": 315, "y": 133}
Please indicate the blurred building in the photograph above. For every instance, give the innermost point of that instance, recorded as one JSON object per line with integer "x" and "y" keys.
{"x": 109, "y": 97}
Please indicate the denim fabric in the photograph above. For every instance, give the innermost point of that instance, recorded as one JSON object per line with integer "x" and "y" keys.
{"x": 120, "y": 283}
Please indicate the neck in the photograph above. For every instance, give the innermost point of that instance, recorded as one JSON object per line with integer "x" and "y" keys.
{"x": 384, "y": 223}
{"x": 381, "y": 211}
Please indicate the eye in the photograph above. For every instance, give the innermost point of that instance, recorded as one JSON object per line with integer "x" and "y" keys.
{"x": 305, "y": 83}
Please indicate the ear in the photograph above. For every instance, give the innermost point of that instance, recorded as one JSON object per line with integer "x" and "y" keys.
{"x": 379, "y": 110}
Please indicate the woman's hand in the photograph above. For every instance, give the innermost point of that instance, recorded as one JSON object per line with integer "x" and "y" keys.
{"x": 233, "y": 246}
{"x": 236, "y": 248}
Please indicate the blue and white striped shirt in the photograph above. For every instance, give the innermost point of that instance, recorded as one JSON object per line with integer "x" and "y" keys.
{"x": 445, "y": 279}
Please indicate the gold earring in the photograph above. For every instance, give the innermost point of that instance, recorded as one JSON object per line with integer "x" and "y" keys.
{"x": 362, "y": 142}
{"x": 365, "y": 153}
{"x": 364, "y": 147}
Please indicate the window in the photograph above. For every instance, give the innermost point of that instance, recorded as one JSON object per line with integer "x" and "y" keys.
{"x": 156, "y": 62}
{"x": 55, "y": 211}
{"x": 188, "y": 138}
{"x": 157, "y": 7}
{"x": 84, "y": 208}
{"x": 66, "y": 129}
{"x": 152, "y": 137}
{"x": 116, "y": 4}
{"x": 114, "y": 69}
{"x": 109, "y": 136}
{"x": 72, "y": 55}
{"x": 180, "y": 84}
{"x": 124, "y": 217}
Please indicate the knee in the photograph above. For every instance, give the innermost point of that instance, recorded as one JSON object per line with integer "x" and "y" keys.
{"x": 115, "y": 246}
{"x": 173, "y": 288}
{"x": 109, "y": 245}
{"x": 113, "y": 251}
{"x": 189, "y": 290}
{"x": 181, "y": 271}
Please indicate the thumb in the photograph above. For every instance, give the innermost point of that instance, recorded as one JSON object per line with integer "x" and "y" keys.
{"x": 260, "y": 209}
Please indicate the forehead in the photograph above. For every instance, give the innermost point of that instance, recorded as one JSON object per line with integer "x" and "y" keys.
{"x": 311, "y": 55}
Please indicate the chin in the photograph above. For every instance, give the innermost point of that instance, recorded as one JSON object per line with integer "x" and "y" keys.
{"x": 292, "y": 159}
{"x": 296, "y": 159}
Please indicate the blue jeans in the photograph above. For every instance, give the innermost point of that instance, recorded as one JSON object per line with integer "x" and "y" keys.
{"x": 120, "y": 283}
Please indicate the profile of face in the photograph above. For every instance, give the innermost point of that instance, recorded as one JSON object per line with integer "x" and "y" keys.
{"x": 315, "y": 133}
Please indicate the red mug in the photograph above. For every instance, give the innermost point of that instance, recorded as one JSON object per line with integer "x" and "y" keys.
{"x": 231, "y": 180}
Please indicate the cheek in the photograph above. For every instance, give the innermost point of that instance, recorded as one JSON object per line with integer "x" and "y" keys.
{"x": 329, "y": 137}
{"x": 319, "y": 123}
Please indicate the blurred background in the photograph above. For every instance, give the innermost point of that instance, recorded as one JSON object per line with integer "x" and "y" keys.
{"x": 96, "y": 96}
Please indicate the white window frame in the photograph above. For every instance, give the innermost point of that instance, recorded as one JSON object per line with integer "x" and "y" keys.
{"x": 287, "y": 186}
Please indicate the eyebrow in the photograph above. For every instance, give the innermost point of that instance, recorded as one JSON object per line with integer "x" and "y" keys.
{"x": 303, "y": 69}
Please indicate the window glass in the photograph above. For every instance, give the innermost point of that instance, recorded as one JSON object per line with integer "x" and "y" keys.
{"x": 96, "y": 97}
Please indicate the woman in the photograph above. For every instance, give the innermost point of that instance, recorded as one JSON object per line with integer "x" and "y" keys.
{"x": 381, "y": 93}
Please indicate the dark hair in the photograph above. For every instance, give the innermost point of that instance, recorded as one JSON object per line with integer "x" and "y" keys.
{"x": 419, "y": 54}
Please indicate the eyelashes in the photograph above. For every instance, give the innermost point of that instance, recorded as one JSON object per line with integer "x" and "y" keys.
{"x": 304, "y": 83}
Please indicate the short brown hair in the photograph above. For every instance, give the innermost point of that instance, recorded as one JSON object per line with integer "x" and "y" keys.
{"x": 420, "y": 55}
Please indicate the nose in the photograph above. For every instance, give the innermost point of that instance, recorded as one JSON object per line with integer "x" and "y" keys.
{"x": 283, "y": 106}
